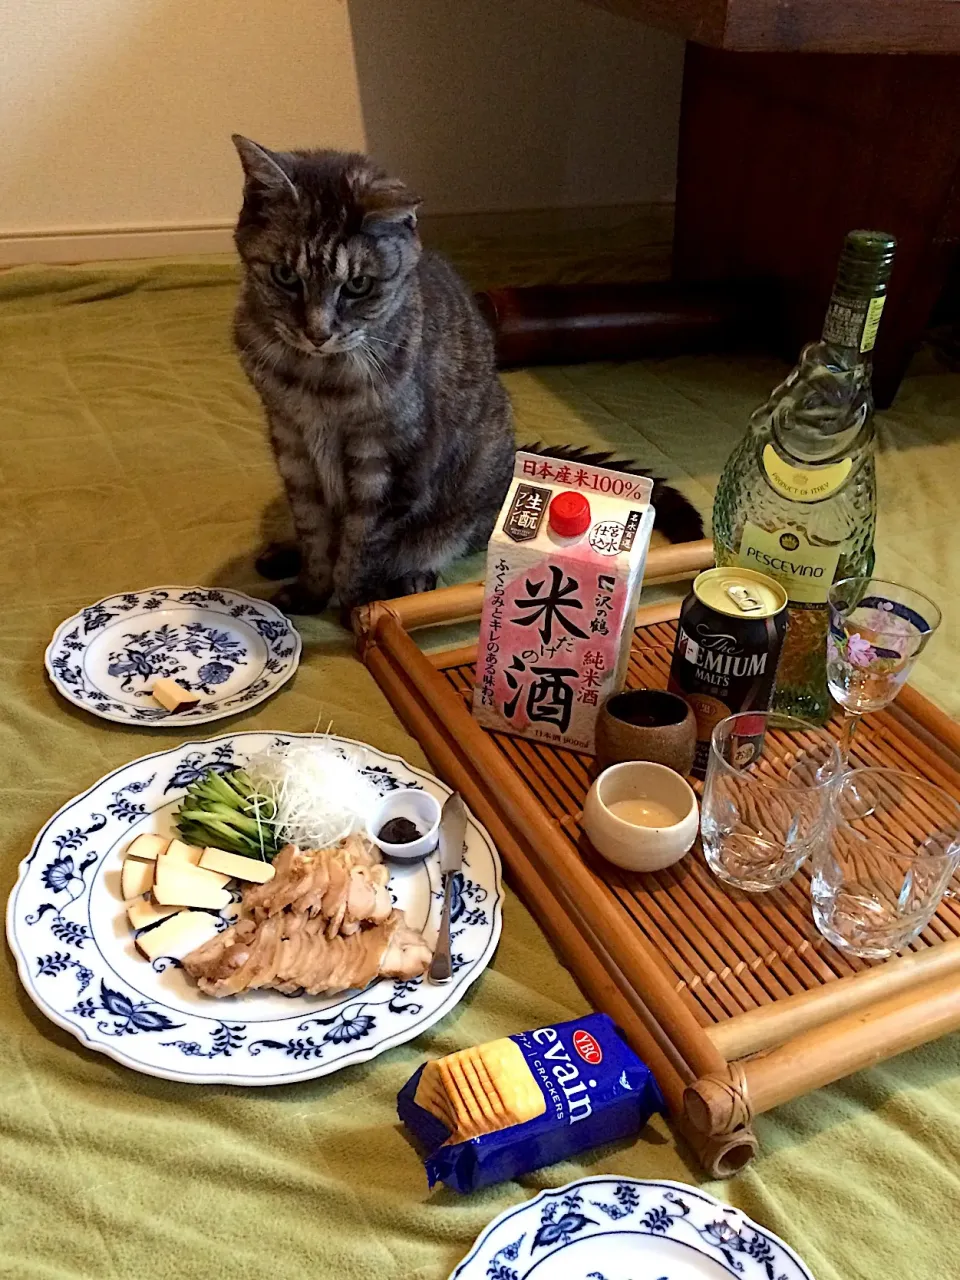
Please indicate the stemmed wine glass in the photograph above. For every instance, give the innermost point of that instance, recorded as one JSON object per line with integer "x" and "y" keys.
{"x": 877, "y": 631}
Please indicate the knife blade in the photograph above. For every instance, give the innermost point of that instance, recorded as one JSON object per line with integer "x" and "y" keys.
{"x": 453, "y": 828}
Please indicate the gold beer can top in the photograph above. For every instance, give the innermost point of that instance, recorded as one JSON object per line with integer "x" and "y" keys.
{"x": 739, "y": 593}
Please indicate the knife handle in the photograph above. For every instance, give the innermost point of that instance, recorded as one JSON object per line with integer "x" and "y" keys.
{"x": 441, "y": 967}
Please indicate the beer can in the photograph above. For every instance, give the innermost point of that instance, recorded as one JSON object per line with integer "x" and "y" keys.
{"x": 728, "y": 645}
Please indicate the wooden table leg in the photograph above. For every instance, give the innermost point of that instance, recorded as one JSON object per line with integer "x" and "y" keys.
{"x": 782, "y": 153}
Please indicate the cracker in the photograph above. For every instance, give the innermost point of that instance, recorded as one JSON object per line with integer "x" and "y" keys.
{"x": 483, "y": 1090}
{"x": 480, "y": 1090}
{"x": 521, "y": 1098}
{"x": 468, "y": 1115}
{"x": 432, "y": 1096}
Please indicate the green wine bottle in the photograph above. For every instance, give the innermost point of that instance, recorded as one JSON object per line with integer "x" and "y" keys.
{"x": 797, "y": 497}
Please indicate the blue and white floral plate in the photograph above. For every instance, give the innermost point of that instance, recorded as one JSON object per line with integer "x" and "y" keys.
{"x": 625, "y": 1229}
{"x": 76, "y": 957}
{"x": 231, "y": 649}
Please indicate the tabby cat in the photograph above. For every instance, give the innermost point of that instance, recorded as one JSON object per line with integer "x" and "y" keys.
{"x": 391, "y": 430}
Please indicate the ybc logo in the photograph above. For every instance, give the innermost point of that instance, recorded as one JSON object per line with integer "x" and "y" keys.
{"x": 587, "y": 1047}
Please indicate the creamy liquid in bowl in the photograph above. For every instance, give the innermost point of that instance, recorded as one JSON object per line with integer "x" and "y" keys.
{"x": 644, "y": 813}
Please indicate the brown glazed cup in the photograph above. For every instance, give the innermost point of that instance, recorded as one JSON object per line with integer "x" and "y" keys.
{"x": 647, "y": 724}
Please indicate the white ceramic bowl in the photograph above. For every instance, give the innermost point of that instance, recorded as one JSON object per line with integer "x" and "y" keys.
{"x": 420, "y": 808}
{"x": 634, "y": 847}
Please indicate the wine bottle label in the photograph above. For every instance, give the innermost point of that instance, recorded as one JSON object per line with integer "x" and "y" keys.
{"x": 853, "y": 322}
{"x": 872, "y": 323}
{"x": 806, "y": 571}
{"x": 802, "y": 485}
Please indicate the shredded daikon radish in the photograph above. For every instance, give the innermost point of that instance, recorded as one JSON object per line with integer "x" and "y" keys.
{"x": 320, "y": 793}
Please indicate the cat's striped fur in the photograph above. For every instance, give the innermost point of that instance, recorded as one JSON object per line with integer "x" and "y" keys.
{"x": 391, "y": 430}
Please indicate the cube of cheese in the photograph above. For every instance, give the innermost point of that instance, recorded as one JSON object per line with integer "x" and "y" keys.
{"x": 136, "y": 877}
{"x": 237, "y": 866}
{"x": 142, "y": 913}
{"x": 147, "y": 847}
{"x": 185, "y": 852}
{"x": 182, "y": 885}
{"x": 178, "y": 936}
{"x": 173, "y": 696}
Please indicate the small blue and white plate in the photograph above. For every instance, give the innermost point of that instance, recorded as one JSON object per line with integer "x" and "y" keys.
{"x": 76, "y": 957}
{"x": 231, "y": 649}
{"x": 626, "y": 1229}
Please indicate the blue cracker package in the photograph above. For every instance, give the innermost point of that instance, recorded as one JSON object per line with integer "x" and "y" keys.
{"x": 593, "y": 1089}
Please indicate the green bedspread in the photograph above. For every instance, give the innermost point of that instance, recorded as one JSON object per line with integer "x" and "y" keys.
{"x": 132, "y": 454}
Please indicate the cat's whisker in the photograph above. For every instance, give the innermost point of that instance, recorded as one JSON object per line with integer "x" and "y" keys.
{"x": 260, "y": 349}
{"x": 371, "y": 362}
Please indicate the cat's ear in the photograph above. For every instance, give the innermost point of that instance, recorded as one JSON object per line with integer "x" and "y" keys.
{"x": 264, "y": 169}
{"x": 387, "y": 201}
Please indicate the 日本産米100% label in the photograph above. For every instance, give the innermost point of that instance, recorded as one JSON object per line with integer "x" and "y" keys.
{"x": 564, "y": 570}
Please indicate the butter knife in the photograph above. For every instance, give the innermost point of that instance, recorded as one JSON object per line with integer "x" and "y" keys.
{"x": 453, "y": 828}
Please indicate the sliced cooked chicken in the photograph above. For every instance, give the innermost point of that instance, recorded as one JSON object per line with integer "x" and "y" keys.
{"x": 343, "y": 884}
{"x": 407, "y": 954}
{"x": 325, "y": 922}
{"x": 292, "y": 952}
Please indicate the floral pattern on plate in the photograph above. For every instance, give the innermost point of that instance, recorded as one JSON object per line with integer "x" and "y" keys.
{"x": 231, "y": 649}
{"x": 76, "y": 957}
{"x": 622, "y": 1229}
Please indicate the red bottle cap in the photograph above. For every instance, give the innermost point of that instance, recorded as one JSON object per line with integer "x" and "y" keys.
{"x": 569, "y": 514}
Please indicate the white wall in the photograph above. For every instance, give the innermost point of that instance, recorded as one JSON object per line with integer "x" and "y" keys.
{"x": 116, "y": 114}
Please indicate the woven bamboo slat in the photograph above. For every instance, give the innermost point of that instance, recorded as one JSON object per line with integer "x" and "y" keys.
{"x": 700, "y": 977}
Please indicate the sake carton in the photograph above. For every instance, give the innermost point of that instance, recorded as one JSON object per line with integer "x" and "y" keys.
{"x": 564, "y": 571}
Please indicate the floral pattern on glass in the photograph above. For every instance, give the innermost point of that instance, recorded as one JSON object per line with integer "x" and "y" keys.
{"x": 873, "y": 642}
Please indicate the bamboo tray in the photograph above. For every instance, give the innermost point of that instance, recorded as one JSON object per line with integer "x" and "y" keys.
{"x": 734, "y": 1000}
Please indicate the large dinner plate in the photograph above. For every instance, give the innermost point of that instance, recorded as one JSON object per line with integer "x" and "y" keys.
{"x": 232, "y": 650}
{"x": 76, "y": 956}
{"x": 626, "y": 1229}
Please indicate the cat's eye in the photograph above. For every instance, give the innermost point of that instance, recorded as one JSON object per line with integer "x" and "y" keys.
{"x": 284, "y": 276}
{"x": 358, "y": 286}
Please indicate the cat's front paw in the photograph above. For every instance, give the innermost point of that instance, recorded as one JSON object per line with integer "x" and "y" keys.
{"x": 299, "y": 599}
{"x": 278, "y": 560}
{"x": 412, "y": 584}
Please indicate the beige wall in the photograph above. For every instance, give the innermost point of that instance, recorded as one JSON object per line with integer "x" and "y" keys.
{"x": 518, "y": 104}
{"x": 116, "y": 114}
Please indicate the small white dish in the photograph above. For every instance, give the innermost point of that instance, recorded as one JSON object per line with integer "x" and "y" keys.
{"x": 230, "y": 649}
{"x": 641, "y": 848}
{"x": 418, "y": 807}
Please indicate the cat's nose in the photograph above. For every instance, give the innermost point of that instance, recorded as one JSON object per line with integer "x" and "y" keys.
{"x": 318, "y": 327}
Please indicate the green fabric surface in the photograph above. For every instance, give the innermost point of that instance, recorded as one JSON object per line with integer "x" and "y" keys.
{"x": 131, "y": 455}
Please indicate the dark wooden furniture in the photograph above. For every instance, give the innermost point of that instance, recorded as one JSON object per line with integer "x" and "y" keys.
{"x": 566, "y": 324}
{"x": 804, "y": 26}
{"x": 799, "y": 123}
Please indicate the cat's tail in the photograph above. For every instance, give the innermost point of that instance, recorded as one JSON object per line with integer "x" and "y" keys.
{"x": 676, "y": 518}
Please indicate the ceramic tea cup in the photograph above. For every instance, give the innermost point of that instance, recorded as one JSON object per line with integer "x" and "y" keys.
{"x": 647, "y": 724}
{"x": 641, "y": 816}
